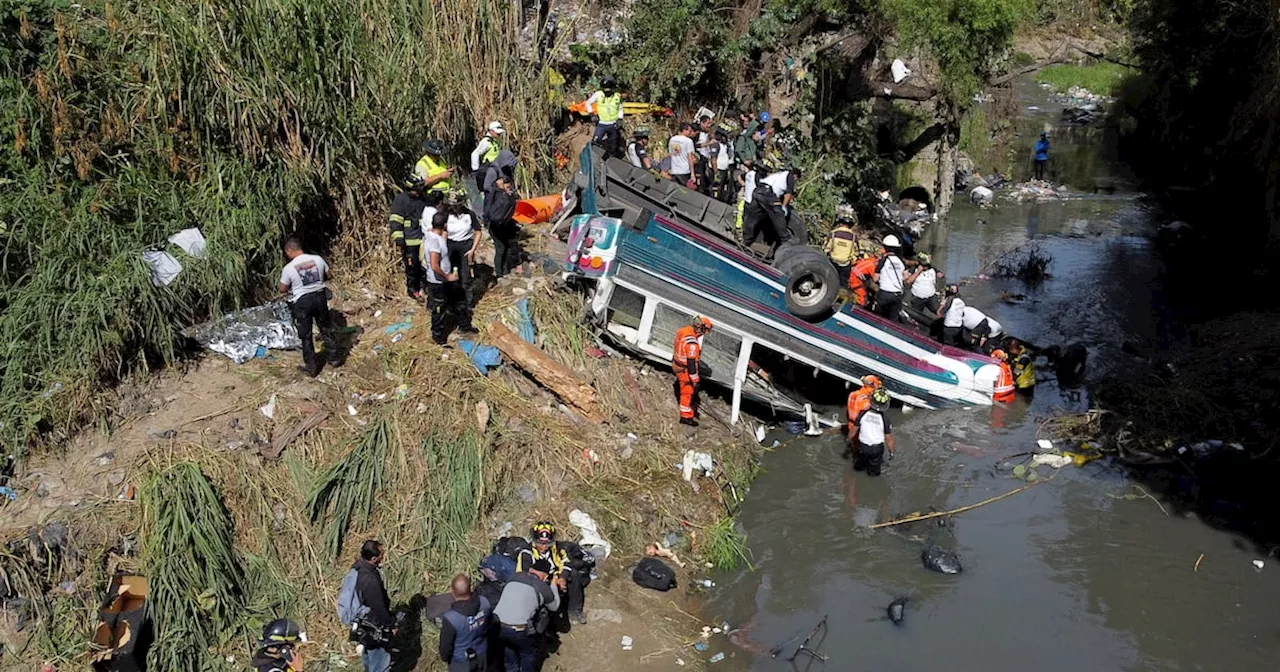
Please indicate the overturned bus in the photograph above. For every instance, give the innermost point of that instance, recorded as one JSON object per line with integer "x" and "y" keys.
{"x": 653, "y": 254}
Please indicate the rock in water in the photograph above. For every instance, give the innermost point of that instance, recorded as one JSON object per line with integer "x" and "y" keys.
{"x": 940, "y": 559}
{"x": 982, "y": 196}
{"x": 897, "y": 610}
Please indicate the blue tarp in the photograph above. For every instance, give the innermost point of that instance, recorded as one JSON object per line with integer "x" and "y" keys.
{"x": 485, "y": 357}
{"x": 526, "y": 323}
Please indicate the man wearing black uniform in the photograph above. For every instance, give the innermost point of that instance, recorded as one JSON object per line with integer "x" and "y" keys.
{"x": 276, "y": 653}
{"x": 769, "y": 202}
{"x": 406, "y": 231}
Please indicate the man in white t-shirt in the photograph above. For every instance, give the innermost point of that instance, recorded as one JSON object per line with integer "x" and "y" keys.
{"x": 444, "y": 295}
{"x": 303, "y": 282}
{"x": 683, "y": 156}
{"x": 952, "y": 313}
{"x": 924, "y": 284}
{"x": 769, "y": 203}
{"x": 978, "y": 328}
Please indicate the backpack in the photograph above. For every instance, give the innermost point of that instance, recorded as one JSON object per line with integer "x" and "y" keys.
{"x": 654, "y": 573}
{"x": 349, "y": 606}
{"x": 497, "y": 568}
{"x": 510, "y": 546}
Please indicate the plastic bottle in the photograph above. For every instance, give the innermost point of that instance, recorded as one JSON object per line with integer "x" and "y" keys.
{"x": 716, "y": 658}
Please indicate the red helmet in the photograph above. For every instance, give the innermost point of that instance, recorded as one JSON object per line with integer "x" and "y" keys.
{"x": 702, "y": 323}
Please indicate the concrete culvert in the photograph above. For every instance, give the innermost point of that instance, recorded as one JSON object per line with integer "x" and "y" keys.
{"x": 918, "y": 194}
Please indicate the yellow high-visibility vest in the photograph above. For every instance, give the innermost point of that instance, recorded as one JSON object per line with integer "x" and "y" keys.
{"x": 492, "y": 153}
{"x": 428, "y": 167}
{"x": 609, "y": 108}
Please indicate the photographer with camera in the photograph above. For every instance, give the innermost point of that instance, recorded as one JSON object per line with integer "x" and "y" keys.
{"x": 276, "y": 654}
{"x": 363, "y": 606}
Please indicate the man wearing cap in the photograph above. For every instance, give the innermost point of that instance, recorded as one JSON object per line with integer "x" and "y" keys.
{"x": 924, "y": 284}
{"x": 520, "y": 615}
{"x": 606, "y": 106}
{"x": 568, "y": 565}
{"x": 488, "y": 147}
{"x": 874, "y": 434}
{"x": 889, "y": 276}
{"x": 686, "y": 362}
{"x": 638, "y": 150}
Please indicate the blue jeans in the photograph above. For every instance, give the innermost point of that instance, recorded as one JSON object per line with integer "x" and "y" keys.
{"x": 520, "y": 650}
{"x": 376, "y": 660}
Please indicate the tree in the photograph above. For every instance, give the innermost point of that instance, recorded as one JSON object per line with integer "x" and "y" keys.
{"x": 966, "y": 38}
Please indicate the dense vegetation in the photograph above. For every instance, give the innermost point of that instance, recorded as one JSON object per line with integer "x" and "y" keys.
{"x": 123, "y": 123}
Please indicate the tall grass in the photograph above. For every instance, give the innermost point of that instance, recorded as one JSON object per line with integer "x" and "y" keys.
{"x": 122, "y": 123}
{"x": 725, "y": 547}
{"x": 1101, "y": 78}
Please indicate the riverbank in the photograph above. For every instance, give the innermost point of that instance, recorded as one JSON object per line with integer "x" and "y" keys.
{"x": 437, "y": 506}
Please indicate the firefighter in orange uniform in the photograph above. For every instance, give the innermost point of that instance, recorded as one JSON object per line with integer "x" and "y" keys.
{"x": 685, "y": 363}
{"x": 859, "y": 277}
{"x": 859, "y": 401}
{"x": 1003, "y": 391}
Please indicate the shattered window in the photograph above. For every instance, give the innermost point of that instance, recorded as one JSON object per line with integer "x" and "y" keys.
{"x": 626, "y": 307}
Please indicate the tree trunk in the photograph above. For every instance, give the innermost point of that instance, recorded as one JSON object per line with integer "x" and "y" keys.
{"x": 945, "y": 188}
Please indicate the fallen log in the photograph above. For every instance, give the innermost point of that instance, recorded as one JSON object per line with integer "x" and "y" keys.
{"x": 305, "y": 425}
{"x": 546, "y": 371}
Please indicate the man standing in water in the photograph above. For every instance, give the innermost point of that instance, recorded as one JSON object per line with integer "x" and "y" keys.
{"x": 873, "y": 436}
{"x": 1042, "y": 154}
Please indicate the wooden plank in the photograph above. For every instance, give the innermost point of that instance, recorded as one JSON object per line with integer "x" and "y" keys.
{"x": 546, "y": 371}
{"x": 302, "y": 427}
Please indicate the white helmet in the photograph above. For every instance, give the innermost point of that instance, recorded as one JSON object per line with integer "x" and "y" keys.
{"x": 496, "y": 127}
{"x": 891, "y": 241}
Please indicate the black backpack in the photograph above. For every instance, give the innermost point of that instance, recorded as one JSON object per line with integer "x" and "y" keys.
{"x": 654, "y": 573}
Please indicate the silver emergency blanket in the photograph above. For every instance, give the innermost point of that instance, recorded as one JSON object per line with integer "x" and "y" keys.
{"x": 239, "y": 335}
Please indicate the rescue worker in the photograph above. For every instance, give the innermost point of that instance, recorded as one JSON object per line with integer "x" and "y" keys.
{"x": 1003, "y": 390}
{"x": 444, "y": 296}
{"x": 842, "y": 244}
{"x": 606, "y": 106}
{"x": 463, "y": 234}
{"x": 874, "y": 435}
{"x": 1022, "y": 365}
{"x": 770, "y": 202}
{"x": 638, "y": 150}
{"x": 952, "y": 313}
{"x": 464, "y": 629}
{"x": 924, "y": 284}
{"x": 520, "y": 617}
{"x": 406, "y": 231}
{"x": 434, "y": 170}
{"x": 860, "y": 277}
{"x": 567, "y": 563}
{"x": 859, "y": 401}
{"x": 486, "y": 151}
{"x": 747, "y": 184}
{"x": 978, "y": 329}
{"x": 1041, "y": 154}
{"x": 889, "y": 277}
{"x": 279, "y": 637}
{"x": 686, "y": 364}
{"x": 303, "y": 281}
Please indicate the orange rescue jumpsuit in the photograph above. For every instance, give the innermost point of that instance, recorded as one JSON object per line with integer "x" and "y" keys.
{"x": 859, "y": 401}
{"x": 1003, "y": 391}
{"x": 858, "y": 276}
{"x": 688, "y": 350}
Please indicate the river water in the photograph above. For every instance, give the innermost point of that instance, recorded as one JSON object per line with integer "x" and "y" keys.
{"x": 1068, "y": 575}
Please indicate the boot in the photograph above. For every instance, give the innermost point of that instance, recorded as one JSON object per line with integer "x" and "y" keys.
{"x": 689, "y": 421}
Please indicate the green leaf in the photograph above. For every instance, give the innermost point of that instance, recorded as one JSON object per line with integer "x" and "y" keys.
{"x": 1020, "y": 471}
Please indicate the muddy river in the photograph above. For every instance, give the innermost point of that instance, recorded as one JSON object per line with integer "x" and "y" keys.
{"x": 1068, "y": 575}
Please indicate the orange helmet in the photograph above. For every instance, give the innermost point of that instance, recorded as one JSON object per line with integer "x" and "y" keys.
{"x": 872, "y": 381}
{"x": 702, "y": 323}
{"x": 999, "y": 354}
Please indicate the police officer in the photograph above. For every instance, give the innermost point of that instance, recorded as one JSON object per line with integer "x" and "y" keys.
{"x": 638, "y": 150}
{"x": 434, "y": 170}
{"x": 568, "y": 565}
{"x": 606, "y": 106}
{"x": 406, "y": 231}
{"x": 277, "y": 654}
{"x": 464, "y": 629}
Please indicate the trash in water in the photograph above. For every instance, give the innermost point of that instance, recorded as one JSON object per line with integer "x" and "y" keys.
{"x": 269, "y": 409}
{"x": 1258, "y": 565}
{"x": 716, "y": 631}
{"x": 626, "y": 642}
{"x": 716, "y": 658}
{"x": 702, "y": 646}
{"x": 238, "y": 335}
{"x": 1044, "y": 444}
{"x": 897, "y": 610}
{"x": 1055, "y": 461}
{"x": 708, "y": 583}
{"x": 760, "y": 432}
{"x": 940, "y": 559}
